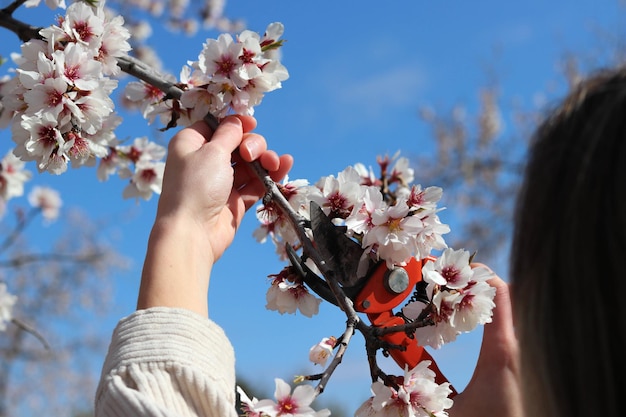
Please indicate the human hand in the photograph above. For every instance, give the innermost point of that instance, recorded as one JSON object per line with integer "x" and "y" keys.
{"x": 495, "y": 388}
{"x": 208, "y": 180}
{"x": 207, "y": 187}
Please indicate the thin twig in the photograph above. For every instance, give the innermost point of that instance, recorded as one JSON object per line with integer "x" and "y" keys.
{"x": 30, "y": 329}
{"x": 21, "y": 260}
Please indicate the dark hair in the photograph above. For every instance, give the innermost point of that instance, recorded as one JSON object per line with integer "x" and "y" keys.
{"x": 568, "y": 259}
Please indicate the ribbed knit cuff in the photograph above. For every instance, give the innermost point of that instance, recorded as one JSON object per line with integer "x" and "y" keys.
{"x": 171, "y": 336}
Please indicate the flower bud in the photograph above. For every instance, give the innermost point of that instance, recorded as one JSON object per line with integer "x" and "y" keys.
{"x": 320, "y": 353}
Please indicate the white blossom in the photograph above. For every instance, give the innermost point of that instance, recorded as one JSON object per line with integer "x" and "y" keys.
{"x": 47, "y": 200}
{"x": 418, "y": 395}
{"x": 319, "y": 353}
{"x": 296, "y": 404}
{"x": 7, "y": 301}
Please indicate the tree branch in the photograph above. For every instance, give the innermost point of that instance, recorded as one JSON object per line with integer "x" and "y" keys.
{"x": 30, "y": 329}
{"x": 21, "y": 260}
{"x": 22, "y": 30}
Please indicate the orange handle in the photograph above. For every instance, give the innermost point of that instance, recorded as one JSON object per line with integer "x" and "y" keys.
{"x": 378, "y": 299}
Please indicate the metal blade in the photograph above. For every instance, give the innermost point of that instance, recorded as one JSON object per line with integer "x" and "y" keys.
{"x": 342, "y": 254}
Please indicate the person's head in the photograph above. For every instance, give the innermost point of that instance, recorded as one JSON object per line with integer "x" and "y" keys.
{"x": 568, "y": 259}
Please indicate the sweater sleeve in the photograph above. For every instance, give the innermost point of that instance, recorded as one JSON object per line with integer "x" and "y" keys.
{"x": 167, "y": 362}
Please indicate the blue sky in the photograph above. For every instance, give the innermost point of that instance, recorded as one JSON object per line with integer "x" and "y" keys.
{"x": 359, "y": 71}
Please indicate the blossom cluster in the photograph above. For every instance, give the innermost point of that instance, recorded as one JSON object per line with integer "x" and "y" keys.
{"x": 459, "y": 299}
{"x": 392, "y": 220}
{"x": 416, "y": 395}
{"x": 231, "y": 75}
{"x": 62, "y": 112}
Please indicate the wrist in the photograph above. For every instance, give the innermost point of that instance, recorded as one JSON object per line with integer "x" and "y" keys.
{"x": 177, "y": 267}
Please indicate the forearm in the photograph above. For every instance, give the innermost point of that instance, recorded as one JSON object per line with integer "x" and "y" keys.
{"x": 177, "y": 267}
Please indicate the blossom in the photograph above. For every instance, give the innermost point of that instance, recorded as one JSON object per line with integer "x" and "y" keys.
{"x": 7, "y": 301}
{"x": 451, "y": 269}
{"x": 296, "y": 404}
{"x": 339, "y": 195}
{"x": 394, "y": 233}
{"x": 288, "y": 294}
{"x": 13, "y": 175}
{"x": 402, "y": 172}
{"x": 319, "y": 353}
{"x": 47, "y": 200}
{"x": 417, "y": 395}
{"x": 147, "y": 179}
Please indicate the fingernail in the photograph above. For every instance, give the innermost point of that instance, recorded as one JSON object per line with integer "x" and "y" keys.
{"x": 252, "y": 147}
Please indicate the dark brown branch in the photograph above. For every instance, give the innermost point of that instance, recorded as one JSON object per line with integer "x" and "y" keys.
{"x": 22, "y": 30}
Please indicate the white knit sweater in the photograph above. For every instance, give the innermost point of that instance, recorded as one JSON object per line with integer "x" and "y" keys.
{"x": 167, "y": 362}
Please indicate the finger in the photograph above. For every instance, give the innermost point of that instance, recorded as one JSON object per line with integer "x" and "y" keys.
{"x": 228, "y": 135}
{"x": 248, "y": 122}
{"x": 190, "y": 138}
{"x": 252, "y": 146}
{"x": 270, "y": 161}
{"x": 285, "y": 165}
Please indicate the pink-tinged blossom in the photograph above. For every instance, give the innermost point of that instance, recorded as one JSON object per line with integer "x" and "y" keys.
{"x": 114, "y": 44}
{"x": 220, "y": 60}
{"x": 451, "y": 269}
{"x": 143, "y": 149}
{"x": 476, "y": 305}
{"x": 81, "y": 24}
{"x": 367, "y": 175}
{"x": 425, "y": 199}
{"x": 274, "y": 223}
{"x": 7, "y": 301}
{"x": 339, "y": 195}
{"x": 146, "y": 180}
{"x": 287, "y": 294}
{"x": 417, "y": 395}
{"x": 44, "y": 68}
{"x": 393, "y": 234}
{"x": 142, "y": 95}
{"x": 45, "y": 143}
{"x": 288, "y": 404}
{"x": 13, "y": 175}
{"x": 441, "y": 313}
{"x": 50, "y": 97}
{"x": 47, "y": 200}
{"x": 76, "y": 66}
{"x": 360, "y": 220}
{"x": 109, "y": 164}
{"x": 319, "y": 353}
{"x": 402, "y": 172}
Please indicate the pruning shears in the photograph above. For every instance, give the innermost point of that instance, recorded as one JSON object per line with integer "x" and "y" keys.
{"x": 376, "y": 294}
